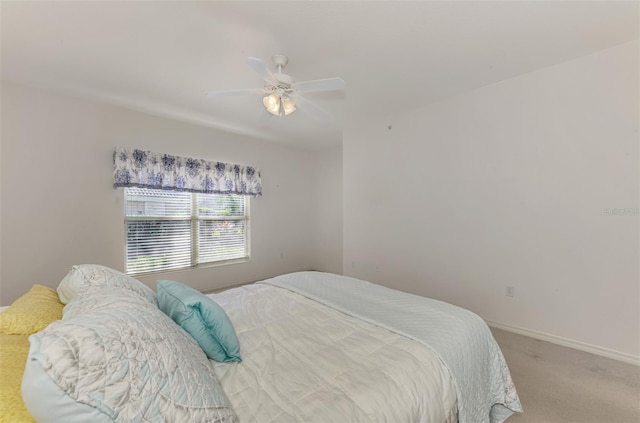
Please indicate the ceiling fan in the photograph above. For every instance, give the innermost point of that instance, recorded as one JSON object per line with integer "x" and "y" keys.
{"x": 281, "y": 94}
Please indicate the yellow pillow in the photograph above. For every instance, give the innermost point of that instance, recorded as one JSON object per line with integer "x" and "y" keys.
{"x": 13, "y": 357}
{"x": 32, "y": 312}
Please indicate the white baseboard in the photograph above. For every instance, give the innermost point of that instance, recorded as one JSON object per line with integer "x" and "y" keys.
{"x": 582, "y": 346}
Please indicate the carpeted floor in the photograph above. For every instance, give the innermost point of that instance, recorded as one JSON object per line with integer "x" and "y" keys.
{"x": 559, "y": 384}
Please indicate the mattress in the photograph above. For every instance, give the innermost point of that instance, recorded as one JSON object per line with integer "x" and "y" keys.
{"x": 306, "y": 362}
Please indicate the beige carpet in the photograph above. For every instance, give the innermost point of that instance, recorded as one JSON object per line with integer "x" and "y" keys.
{"x": 559, "y": 384}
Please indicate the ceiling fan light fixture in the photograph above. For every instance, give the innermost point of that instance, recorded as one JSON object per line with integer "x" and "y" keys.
{"x": 272, "y": 104}
{"x": 288, "y": 104}
{"x": 279, "y": 105}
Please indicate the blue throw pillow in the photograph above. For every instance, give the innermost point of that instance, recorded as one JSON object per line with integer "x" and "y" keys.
{"x": 202, "y": 318}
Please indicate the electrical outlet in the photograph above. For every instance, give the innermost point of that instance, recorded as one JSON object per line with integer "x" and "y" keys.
{"x": 509, "y": 291}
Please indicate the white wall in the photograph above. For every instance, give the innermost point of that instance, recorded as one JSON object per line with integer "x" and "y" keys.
{"x": 59, "y": 207}
{"x": 509, "y": 185}
{"x": 327, "y": 210}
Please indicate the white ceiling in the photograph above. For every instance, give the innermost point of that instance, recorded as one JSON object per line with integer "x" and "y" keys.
{"x": 163, "y": 57}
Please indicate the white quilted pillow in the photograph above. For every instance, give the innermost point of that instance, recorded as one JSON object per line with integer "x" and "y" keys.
{"x": 95, "y": 275}
{"x": 119, "y": 358}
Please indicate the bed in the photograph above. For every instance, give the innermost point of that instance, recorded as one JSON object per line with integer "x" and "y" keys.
{"x": 315, "y": 347}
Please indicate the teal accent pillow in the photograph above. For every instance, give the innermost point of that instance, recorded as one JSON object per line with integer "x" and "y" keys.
{"x": 202, "y": 318}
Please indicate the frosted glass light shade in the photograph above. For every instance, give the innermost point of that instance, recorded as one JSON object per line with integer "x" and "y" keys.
{"x": 272, "y": 104}
{"x": 289, "y": 105}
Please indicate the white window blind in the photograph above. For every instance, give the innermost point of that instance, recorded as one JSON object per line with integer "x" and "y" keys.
{"x": 168, "y": 230}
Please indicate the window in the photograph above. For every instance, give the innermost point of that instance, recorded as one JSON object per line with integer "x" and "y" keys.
{"x": 168, "y": 230}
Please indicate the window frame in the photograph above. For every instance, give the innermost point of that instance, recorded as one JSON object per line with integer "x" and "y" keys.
{"x": 194, "y": 221}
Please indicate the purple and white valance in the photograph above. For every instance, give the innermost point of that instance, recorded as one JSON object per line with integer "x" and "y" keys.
{"x": 146, "y": 169}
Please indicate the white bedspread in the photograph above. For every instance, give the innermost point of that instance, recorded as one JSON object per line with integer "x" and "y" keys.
{"x": 460, "y": 338}
{"x": 305, "y": 362}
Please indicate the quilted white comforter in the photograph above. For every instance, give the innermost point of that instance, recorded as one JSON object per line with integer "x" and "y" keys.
{"x": 460, "y": 338}
{"x": 306, "y": 362}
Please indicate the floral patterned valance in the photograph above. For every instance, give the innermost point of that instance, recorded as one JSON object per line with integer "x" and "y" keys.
{"x": 146, "y": 169}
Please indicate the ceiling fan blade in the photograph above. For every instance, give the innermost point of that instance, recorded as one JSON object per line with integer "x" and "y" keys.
{"x": 228, "y": 93}
{"x": 329, "y": 84}
{"x": 261, "y": 68}
{"x": 315, "y": 111}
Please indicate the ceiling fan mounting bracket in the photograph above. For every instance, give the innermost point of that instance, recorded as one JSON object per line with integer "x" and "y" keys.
{"x": 280, "y": 61}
